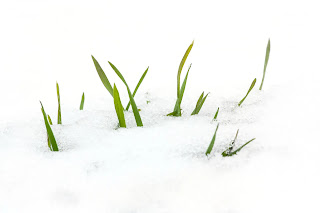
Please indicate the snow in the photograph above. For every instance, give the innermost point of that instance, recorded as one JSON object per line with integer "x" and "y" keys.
{"x": 161, "y": 167}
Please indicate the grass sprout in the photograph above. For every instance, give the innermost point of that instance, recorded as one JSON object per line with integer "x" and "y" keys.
{"x": 102, "y": 76}
{"x": 251, "y": 87}
{"x": 265, "y": 63}
{"x": 199, "y": 104}
{"x": 180, "y": 90}
{"x": 118, "y": 107}
{"x": 137, "y": 87}
{"x": 226, "y": 153}
{"x": 82, "y": 102}
{"x": 51, "y": 139}
{"x": 216, "y": 115}
{"x": 49, "y": 119}
{"x": 59, "y": 106}
{"x": 212, "y": 142}
{"x": 133, "y": 103}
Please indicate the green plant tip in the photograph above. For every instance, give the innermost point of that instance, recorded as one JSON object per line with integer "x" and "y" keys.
{"x": 212, "y": 141}
{"x": 251, "y": 87}
{"x": 265, "y": 63}
{"x": 118, "y": 107}
{"x": 82, "y": 102}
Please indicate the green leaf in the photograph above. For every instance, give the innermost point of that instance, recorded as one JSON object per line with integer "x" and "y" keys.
{"x": 49, "y": 119}
{"x": 102, "y": 76}
{"x": 199, "y": 104}
{"x": 230, "y": 148}
{"x": 118, "y": 107}
{"x": 235, "y": 152}
{"x": 212, "y": 141}
{"x": 251, "y": 87}
{"x": 82, "y": 102}
{"x": 177, "y": 109}
{"x": 137, "y": 87}
{"x": 52, "y": 141}
{"x": 59, "y": 106}
{"x": 216, "y": 115}
{"x": 181, "y": 66}
{"x": 133, "y": 103}
{"x": 265, "y": 63}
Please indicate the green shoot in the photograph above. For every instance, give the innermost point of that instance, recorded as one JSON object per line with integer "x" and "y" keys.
{"x": 199, "y": 104}
{"x": 103, "y": 76}
{"x": 216, "y": 115}
{"x": 59, "y": 106}
{"x": 177, "y": 109}
{"x": 133, "y": 103}
{"x": 252, "y": 85}
{"x": 49, "y": 144}
{"x": 52, "y": 141}
{"x": 229, "y": 150}
{"x": 82, "y": 102}
{"x": 181, "y": 66}
{"x": 118, "y": 107}
{"x": 137, "y": 87}
{"x": 49, "y": 119}
{"x": 228, "y": 154}
{"x": 265, "y": 63}
{"x": 212, "y": 142}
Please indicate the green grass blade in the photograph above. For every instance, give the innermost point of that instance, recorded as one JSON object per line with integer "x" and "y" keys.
{"x": 212, "y": 142}
{"x": 137, "y": 87}
{"x": 49, "y": 119}
{"x": 237, "y": 150}
{"x": 181, "y": 66}
{"x": 82, "y": 102}
{"x": 133, "y": 103}
{"x": 118, "y": 107}
{"x": 216, "y": 115}
{"x": 198, "y": 108}
{"x": 59, "y": 106}
{"x": 230, "y": 148}
{"x": 198, "y": 103}
{"x": 102, "y": 76}
{"x": 251, "y": 87}
{"x": 265, "y": 63}
{"x": 49, "y": 144}
{"x": 177, "y": 109}
{"x": 52, "y": 141}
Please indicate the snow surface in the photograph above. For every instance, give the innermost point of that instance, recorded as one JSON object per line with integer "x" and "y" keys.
{"x": 162, "y": 166}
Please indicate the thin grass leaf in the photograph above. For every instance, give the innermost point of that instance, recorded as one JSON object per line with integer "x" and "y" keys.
{"x": 184, "y": 58}
{"x": 265, "y": 63}
{"x": 177, "y": 109}
{"x": 49, "y": 144}
{"x": 200, "y": 102}
{"x": 237, "y": 150}
{"x": 212, "y": 142}
{"x": 216, "y": 115}
{"x": 82, "y": 102}
{"x": 137, "y": 87}
{"x": 251, "y": 87}
{"x": 133, "y": 103}
{"x": 102, "y": 76}
{"x": 52, "y": 141}
{"x": 59, "y": 106}
{"x": 49, "y": 119}
{"x": 118, "y": 107}
{"x": 230, "y": 148}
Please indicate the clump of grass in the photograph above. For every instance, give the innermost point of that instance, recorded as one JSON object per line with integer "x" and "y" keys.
{"x": 251, "y": 87}
{"x": 82, "y": 102}
{"x": 212, "y": 141}
{"x": 180, "y": 90}
{"x": 216, "y": 115}
{"x": 229, "y": 151}
{"x": 265, "y": 63}
{"x": 118, "y": 107}
{"x": 199, "y": 104}
{"x": 59, "y": 106}
{"x": 52, "y": 144}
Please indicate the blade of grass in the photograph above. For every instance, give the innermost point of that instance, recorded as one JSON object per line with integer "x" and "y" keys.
{"x": 59, "y": 106}
{"x": 265, "y": 63}
{"x": 177, "y": 109}
{"x": 237, "y": 150}
{"x": 199, "y": 104}
{"x": 212, "y": 142}
{"x": 184, "y": 58}
{"x": 229, "y": 149}
{"x": 52, "y": 141}
{"x": 49, "y": 144}
{"x": 49, "y": 119}
{"x": 137, "y": 87}
{"x": 118, "y": 107}
{"x": 102, "y": 76}
{"x": 252, "y": 85}
{"x": 82, "y": 102}
{"x": 133, "y": 103}
{"x": 216, "y": 115}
